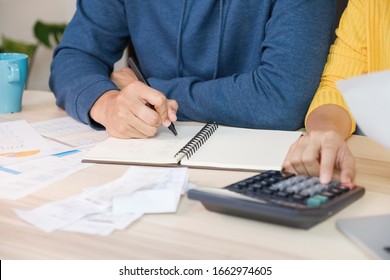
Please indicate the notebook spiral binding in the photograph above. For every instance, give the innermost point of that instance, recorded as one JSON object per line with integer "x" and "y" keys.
{"x": 198, "y": 140}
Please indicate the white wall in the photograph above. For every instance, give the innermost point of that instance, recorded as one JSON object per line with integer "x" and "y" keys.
{"x": 17, "y": 18}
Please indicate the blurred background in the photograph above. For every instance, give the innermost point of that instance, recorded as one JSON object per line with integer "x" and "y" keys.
{"x": 19, "y": 20}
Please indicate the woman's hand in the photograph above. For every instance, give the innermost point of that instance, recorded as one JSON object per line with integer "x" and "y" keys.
{"x": 321, "y": 153}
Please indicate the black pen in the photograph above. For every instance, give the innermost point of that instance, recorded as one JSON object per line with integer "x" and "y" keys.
{"x": 140, "y": 76}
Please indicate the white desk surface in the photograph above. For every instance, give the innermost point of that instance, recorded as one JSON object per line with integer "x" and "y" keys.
{"x": 193, "y": 232}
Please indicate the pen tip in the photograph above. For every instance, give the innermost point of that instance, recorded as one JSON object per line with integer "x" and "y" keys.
{"x": 173, "y": 129}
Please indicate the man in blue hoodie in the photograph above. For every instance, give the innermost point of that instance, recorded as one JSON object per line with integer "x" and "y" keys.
{"x": 252, "y": 63}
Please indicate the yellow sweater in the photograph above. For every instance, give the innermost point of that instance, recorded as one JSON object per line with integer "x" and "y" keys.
{"x": 362, "y": 46}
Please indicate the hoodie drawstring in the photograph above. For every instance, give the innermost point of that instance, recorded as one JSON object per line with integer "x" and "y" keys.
{"x": 179, "y": 62}
{"x": 220, "y": 33}
{"x": 221, "y": 27}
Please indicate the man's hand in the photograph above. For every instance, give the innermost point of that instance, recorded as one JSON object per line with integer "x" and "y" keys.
{"x": 123, "y": 77}
{"x": 134, "y": 112}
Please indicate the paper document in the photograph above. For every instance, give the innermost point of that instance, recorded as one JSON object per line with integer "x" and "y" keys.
{"x": 55, "y": 215}
{"x": 19, "y": 141}
{"x": 149, "y": 190}
{"x": 166, "y": 185}
{"x": 368, "y": 98}
{"x": 33, "y": 156}
{"x": 70, "y": 132}
{"x": 21, "y": 179}
{"x": 103, "y": 223}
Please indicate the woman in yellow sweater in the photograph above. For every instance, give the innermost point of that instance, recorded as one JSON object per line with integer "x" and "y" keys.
{"x": 362, "y": 46}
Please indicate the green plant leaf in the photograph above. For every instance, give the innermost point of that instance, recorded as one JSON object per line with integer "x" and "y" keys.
{"x": 49, "y": 34}
{"x": 10, "y": 45}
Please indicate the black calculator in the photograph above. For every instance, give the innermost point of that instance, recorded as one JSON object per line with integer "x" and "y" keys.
{"x": 279, "y": 197}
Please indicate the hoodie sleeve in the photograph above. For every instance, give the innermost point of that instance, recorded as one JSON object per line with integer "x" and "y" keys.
{"x": 79, "y": 72}
{"x": 347, "y": 57}
{"x": 277, "y": 94}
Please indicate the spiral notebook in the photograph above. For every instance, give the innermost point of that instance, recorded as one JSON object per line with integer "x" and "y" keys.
{"x": 197, "y": 145}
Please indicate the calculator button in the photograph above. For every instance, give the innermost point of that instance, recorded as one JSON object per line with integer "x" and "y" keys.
{"x": 316, "y": 200}
{"x": 267, "y": 191}
{"x": 257, "y": 178}
{"x": 344, "y": 188}
{"x": 251, "y": 189}
{"x": 271, "y": 180}
{"x": 321, "y": 188}
{"x": 281, "y": 194}
{"x": 256, "y": 185}
{"x": 297, "y": 178}
{"x": 295, "y": 188}
{"x": 312, "y": 181}
{"x": 336, "y": 191}
{"x": 264, "y": 184}
{"x": 298, "y": 197}
{"x": 280, "y": 186}
{"x": 328, "y": 194}
{"x": 234, "y": 187}
{"x": 249, "y": 181}
{"x": 309, "y": 191}
{"x": 265, "y": 175}
{"x": 334, "y": 184}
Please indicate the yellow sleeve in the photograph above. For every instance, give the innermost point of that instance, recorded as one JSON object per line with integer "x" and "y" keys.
{"x": 347, "y": 57}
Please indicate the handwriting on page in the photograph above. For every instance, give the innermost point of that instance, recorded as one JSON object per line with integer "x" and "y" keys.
{"x": 155, "y": 148}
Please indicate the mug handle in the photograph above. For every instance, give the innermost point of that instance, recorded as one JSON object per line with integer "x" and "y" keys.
{"x": 14, "y": 73}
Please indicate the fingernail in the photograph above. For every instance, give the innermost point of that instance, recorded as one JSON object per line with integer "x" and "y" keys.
{"x": 325, "y": 178}
{"x": 167, "y": 123}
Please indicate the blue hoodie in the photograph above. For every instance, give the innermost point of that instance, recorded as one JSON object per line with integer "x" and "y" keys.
{"x": 247, "y": 63}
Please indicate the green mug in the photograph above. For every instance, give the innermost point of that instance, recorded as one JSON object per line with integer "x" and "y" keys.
{"x": 13, "y": 75}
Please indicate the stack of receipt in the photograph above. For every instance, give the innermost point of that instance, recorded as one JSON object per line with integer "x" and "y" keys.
{"x": 115, "y": 205}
